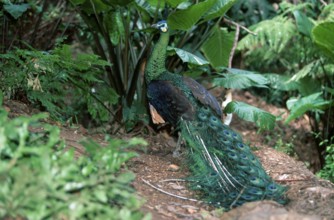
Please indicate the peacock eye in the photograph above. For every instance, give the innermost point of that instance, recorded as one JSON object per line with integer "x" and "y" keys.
{"x": 240, "y": 145}
{"x": 272, "y": 187}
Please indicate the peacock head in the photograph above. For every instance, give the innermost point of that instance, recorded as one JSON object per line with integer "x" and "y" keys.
{"x": 161, "y": 26}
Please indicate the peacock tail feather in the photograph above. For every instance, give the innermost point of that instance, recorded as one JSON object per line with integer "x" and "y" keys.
{"x": 223, "y": 168}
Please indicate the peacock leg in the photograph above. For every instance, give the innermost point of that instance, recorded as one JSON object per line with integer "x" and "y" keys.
{"x": 177, "y": 152}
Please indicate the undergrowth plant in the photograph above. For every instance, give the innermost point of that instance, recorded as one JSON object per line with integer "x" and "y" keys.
{"x": 295, "y": 49}
{"x": 41, "y": 179}
{"x": 327, "y": 172}
{"x": 119, "y": 33}
{"x": 199, "y": 45}
{"x": 285, "y": 147}
{"x": 58, "y": 83}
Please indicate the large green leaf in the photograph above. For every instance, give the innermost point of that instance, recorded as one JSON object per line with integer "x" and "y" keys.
{"x": 92, "y": 6}
{"x": 16, "y": 10}
{"x": 309, "y": 85}
{"x": 219, "y": 9}
{"x": 306, "y": 85}
{"x": 263, "y": 119}
{"x": 185, "y": 19}
{"x": 299, "y": 106}
{"x": 113, "y": 21}
{"x": 146, "y": 7}
{"x": 304, "y": 24}
{"x": 174, "y": 3}
{"x": 323, "y": 35}
{"x": 188, "y": 57}
{"x": 217, "y": 48}
{"x": 240, "y": 79}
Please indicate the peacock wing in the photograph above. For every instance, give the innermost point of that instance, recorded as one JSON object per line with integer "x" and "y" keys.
{"x": 202, "y": 95}
{"x": 156, "y": 117}
{"x": 169, "y": 101}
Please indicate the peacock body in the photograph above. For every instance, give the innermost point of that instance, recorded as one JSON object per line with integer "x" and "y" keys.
{"x": 223, "y": 168}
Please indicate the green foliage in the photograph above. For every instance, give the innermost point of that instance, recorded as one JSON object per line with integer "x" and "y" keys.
{"x": 247, "y": 112}
{"x": 57, "y": 82}
{"x": 219, "y": 9}
{"x": 321, "y": 35}
{"x": 218, "y": 47}
{"x": 298, "y": 107}
{"x": 187, "y": 18}
{"x": 297, "y": 47}
{"x": 187, "y": 57}
{"x": 327, "y": 172}
{"x": 272, "y": 39}
{"x": 41, "y": 24}
{"x": 240, "y": 79}
{"x": 304, "y": 24}
{"x": 285, "y": 147}
{"x": 114, "y": 25}
{"x": 249, "y": 12}
{"x": 16, "y": 10}
{"x": 41, "y": 180}
{"x": 282, "y": 82}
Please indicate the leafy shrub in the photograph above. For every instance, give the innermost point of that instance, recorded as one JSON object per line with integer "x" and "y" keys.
{"x": 295, "y": 49}
{"x": 122, "y": 35}
{"x": 120, "y": 32}
{"x": 40, "y": 24}
{"x": 39, "y": 180}
{"x": 57, "y": 82}
{"x": 327, "y": 172}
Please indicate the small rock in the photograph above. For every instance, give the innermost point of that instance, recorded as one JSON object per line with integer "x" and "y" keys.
{"x": 173, "y": 167}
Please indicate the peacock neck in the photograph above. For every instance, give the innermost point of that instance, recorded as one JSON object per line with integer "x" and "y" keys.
{"x": 157, "y": 61}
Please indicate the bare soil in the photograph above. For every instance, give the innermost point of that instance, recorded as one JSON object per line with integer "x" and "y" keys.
{"x": 156, "y": 169}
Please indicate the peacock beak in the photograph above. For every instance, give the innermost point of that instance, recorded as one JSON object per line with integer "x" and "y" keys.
{"x": 155, "y": 26}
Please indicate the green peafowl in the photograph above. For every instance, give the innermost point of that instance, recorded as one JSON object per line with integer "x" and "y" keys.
{"x": 223, "y": 168}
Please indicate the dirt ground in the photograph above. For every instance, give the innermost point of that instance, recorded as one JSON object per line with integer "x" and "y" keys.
{"x": 157, "y": 170}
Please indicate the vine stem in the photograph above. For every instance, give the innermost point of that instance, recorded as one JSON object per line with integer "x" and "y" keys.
{"x": 241, "y": 26}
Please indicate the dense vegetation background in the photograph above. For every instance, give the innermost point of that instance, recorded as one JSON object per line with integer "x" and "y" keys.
{"x": 82, "y": 61}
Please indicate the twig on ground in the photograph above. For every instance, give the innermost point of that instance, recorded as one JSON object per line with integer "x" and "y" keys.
{"x": 292, "y": 180}
{"x": 323, "y": 2}
{"x": 175, "y": 180}
{"x": 168, "y": 193}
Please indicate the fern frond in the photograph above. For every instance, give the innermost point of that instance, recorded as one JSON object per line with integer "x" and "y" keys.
{"x": 305, "y": 71}
{"x": 288, "y": 7}
{"x": 273, "y": 34}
